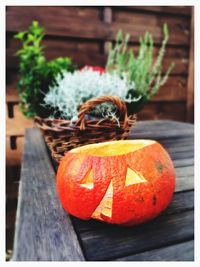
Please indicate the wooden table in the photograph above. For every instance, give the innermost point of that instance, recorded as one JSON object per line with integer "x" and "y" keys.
{"x": 44, "y": 231}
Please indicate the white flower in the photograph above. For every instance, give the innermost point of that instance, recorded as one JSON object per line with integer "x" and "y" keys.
{"x": 75, "y": 88}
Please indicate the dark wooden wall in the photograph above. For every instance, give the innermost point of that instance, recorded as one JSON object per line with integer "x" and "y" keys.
{"x": 83, "y": 34}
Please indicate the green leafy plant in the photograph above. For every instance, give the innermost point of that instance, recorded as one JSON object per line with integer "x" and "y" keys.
{"x": 37, "y": 74}
{"x": 146, "y": 74}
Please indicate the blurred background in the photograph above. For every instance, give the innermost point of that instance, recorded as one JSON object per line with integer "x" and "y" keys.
{"x": 82, "y": 33}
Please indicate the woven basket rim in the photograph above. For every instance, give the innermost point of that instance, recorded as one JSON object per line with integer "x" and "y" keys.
{"x": 62, "y": 135}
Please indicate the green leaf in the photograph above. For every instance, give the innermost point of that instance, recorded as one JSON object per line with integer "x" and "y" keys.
{"x": 19, "y": 35}
{"x": 139, "y": 69}
{"x": 37, "y": 75}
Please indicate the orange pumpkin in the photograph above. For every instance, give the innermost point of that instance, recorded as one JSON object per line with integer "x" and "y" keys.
{"x": 120, "y": 182}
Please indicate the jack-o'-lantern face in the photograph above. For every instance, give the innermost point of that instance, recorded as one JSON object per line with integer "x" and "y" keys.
{"x": 120, "y": 182}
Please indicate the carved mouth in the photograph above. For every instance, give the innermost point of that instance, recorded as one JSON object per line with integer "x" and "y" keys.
{"x": 105, "y": 206}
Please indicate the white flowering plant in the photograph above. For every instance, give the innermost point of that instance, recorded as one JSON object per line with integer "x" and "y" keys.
{"x": 74, "y": 89}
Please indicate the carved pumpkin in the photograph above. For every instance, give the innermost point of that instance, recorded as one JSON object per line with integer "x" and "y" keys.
{"x": 120, "y": 182}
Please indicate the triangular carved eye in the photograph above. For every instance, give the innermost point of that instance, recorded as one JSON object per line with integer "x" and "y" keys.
{"x": 88, "y": 180}
{"x": 133, "y": 177}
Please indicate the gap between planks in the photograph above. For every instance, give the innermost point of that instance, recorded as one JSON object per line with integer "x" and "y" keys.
{"x": 183, "y": 251}
{"x": 40, "y": 217}
{"x": 113, "y": 243}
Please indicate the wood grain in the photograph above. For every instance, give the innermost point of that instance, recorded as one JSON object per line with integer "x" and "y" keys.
{"x": 164, "y": 131}
{"x": 173, "y": 90}
{"x": 43, "y": 230}
{"x": 176, "y": 10}
{"x": 12, "y": 95}
{"x": 12, "y": 189}
{"x": 163, "y": 110}
{"x": 112, "y": 242}
{"x": 63, "y": 26}
{"x": 174, "y": 23}
{"x": 179, "y": 252}
{"x": 176, "y": 37}
{"x": 88, "y": 52}
{"x": 190, "y": 85}
{"x": 80, "y": 51}
{"x": 100, "y": 31}
{"x": 14, "y": 156}
{"x": 16, "y": 126}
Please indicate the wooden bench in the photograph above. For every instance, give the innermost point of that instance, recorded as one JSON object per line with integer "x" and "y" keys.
{"x": 45, "y": 232}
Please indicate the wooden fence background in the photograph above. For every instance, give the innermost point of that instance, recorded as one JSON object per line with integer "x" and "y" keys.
{"x": 83, "y": 34}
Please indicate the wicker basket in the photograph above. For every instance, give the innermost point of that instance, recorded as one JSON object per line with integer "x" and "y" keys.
{"x": 61, "y": 135}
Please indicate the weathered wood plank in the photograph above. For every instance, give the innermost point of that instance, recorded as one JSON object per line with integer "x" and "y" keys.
{"x": 43, "y": 230}
{"x": 113, "y": 242}
{"x": 178, "y": 144}
{"x": 14, "y": 155}
{"x": 46, "y": 17}
{"x": 190, "y": 85}
{"x": 12, "y": 93}
{"x": 80, "y": 51}
{"x": 163, "y": 110}
{"x": 185, "y": 171}
{"x": 126, "y": 16}
{"x": 179, "y": 252}
{"x": 186, "y": 155}
{"x": 183, "y": 162}
{"x": 159, "y": 131}
{"x": 176, "y": 10}
{"x": 88, "y": 52}
{"x": 178, "y": 149}
{"x": 173, "y": 90}
{"x": 177, "y": 37}
{"x": 16, "y": 126}
{"x": 59, "y": 12}
{"x": 162, "y": 135}
{"x": 162, "y": 124}
{"x": 96, "y": 29}
{"x": 184, "y": 177}
{"x": 181, "y": 202}
{"x": 184, "y": 183}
